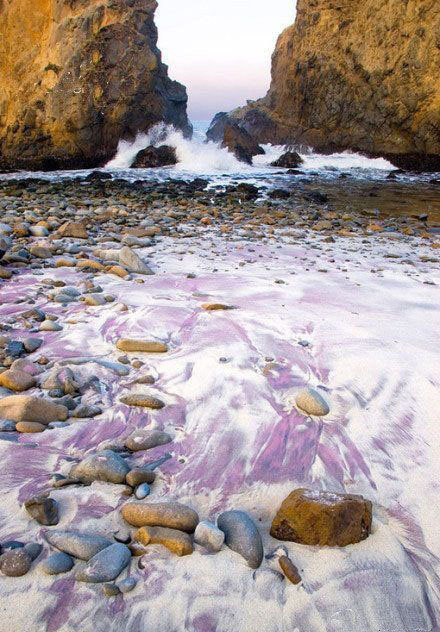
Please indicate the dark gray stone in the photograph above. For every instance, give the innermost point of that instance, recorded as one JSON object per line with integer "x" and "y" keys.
{"x": 242, "y": 536}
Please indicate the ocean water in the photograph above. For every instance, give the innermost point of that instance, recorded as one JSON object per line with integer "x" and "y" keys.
{"x": 199, "y": 158}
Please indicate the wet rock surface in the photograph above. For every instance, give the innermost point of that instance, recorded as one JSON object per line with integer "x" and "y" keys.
{"x": 106, "y": 565}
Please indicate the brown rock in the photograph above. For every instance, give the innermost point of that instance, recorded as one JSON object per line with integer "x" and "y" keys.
{"x": 80, "y": 76}
{"x": 144, "y": 439}
{"x": 4, "y": 273}
{"x": 90, "y": 263}
{"x": 322, "y": 518}
{"x": 138, "y": 399}
{"x": 152, "y": 157}
{"x": 147, "y": 346}
{"x": 15, "y": 563}
{"x": 289, "y": 569}
{"x": 17, "y": 380}
{"x": 359, "y": 76}
{"x": 118, "y": 271}
{"x": 76, "y": 230}
{"x": 29, "y": 426}
{"x": 20, "y": 408}
{"x": 215, "y": 307}
{"x": 139, "y": 475}
{"x": 43, "y": 509}
{"x": 165, "y": 514}
{"x": 175, "y": 541}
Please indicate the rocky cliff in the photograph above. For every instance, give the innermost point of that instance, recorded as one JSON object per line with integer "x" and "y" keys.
{"x": 78, "y": 75}
{"x": 360, "y": 75}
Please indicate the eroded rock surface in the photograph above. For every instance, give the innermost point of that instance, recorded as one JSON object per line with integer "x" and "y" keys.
{"x": 77, "y": 77}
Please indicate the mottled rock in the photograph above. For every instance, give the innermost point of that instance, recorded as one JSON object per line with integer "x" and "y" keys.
{"x": 33, "y": 549}
{"x": 106, "y": 565}
{"x": 43, "y": 509}
{"x": 57, "y": 563}
{"x": 289, "y": 569}
{"x": 145, "y": 440}
{"x": 209, "y": 536}
{"x": 72, "y": 229}
{"x": 147, "y": 346}
{"x": 111, "y": 590}
{"x": 15, "y": 563}
{"x": 164, "y": 514}
{"x": 79, "y": 544}
{"x": 103, "y": 466}
{"x": 322, "y": 518}
{"x": 242, "y": 536}
{"x": 312, "y": 402}
{"x": 29, "y": 408}
{"x": 175, "y": 541}
{"x": 145, "y": 401}
{"x": 17, "y": 380}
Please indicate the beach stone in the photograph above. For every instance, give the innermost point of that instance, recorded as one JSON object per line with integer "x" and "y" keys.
{"x": 7, "y": 426}
{"x": 86, "y": 411}
{"x": 79, "y": 544}
{"x": 95, "y": 300}
{"x": 30, "y": 426}
{"x": 144, "y": 401}
{"x": 33, "y": 549}
{"x": 43, "y": 509}
{"x": 132, "y": 262}
{"x": 50, "y": 325}
{"x": 102, "y": 466}
{"x": 111, "y": 590}
{"x": 289, "y": 569}
{"x": 215, "y": 307}
{"x": 175, "y": 541}
{"x": 72, "y": 229}
{"x": 106, "y": 565}
{"x": 32, "y": 344}
{"x": 142, "y": 491}
{"x": 139, "y": 475}
{"x": 17, "y": 380}
{"x": 322, "y": 518}
{"x": 5, "y": 273}
{"x": 242, "y": 536}
{"x": 10, "y": 545}
{"x": 164, "y": 514}
{"x": 146, "y": 346}
{"x": 127, "y": 584}
{"x": 57, "y": 563}
{"x": 146, "y": 439}
{"x": 30, "y": 408}
{"x": 209, "y": 536}
{"x": 15, "y": 563}
{"x": 312, "y": 402}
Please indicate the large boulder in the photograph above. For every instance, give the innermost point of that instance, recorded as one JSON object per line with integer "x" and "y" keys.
{"x": 322, "y": 518}
{"x": 233, "y": 137}
{"x": 153, "y": 157}
{"x": 289, "y": 160}
{"x": 78, "y": 77}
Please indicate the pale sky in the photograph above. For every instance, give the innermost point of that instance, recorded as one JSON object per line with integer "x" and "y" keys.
{"x": 221, "y": 49}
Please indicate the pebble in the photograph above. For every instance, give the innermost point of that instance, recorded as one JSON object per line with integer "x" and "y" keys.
{"x": 79, "y": 544}
{"x": 127, "y": 585}
{"x": 105, "y": 466}
{"x": 17, "y": 380}
{"x": 242, "y": 536}
{"x": 174, "y": 540}
{"x": 311, "y": 402}
{"x": 209, "y": 536}
{"x": 139, "y": 399}
{"x": 106, "y": 565}
{"x": 164, "y": 514}
{"x": 15, "y": 563}
{"x": 50, "y": 325}
{"x": 146, "y": 439}
{"x": 43, "y": 509}
{"x": 146, "y": 346}
{"x": 29, "y": 408}
{"x": 289, "y": 569}
{"x": 30, "y": 426}
{"x": 111, "y": 590}
{"x": 142, "y": 491}
{"x": 57, "y": 563}
{"x": 139, "y": 475}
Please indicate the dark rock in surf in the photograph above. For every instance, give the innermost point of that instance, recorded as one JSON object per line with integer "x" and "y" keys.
{"x": 289, "y": 160}
{"x": 153, "y": 157}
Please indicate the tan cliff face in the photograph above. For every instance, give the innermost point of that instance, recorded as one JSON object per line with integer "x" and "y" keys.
{"x": 78, "y": 75}
{"x": 357, "y": 74}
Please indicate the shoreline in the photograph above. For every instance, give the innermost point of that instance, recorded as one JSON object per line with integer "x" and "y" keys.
{"x": 321, "y": 299}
